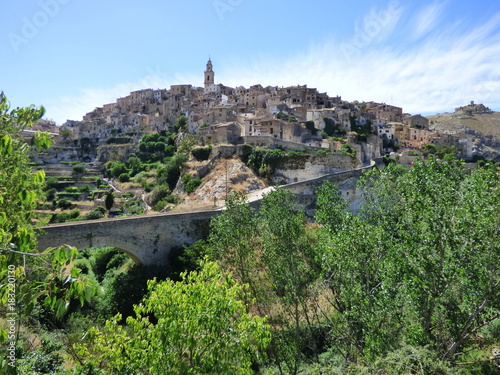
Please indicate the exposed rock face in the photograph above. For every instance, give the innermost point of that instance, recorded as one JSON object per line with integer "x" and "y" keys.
{"x": 226, "y": 176}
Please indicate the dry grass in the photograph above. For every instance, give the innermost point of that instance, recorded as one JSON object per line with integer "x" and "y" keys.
{"x": 486, "y": 124}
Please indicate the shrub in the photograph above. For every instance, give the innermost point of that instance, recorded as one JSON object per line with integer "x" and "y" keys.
{"x": 192, "y": 185}
{"x": 264, "y": 160}
{"x": 169, "y": 173}
{"x": 202, "y": 153}
{"x": 186, "y": 178}
{"x": 96, "y": 213}
{"x": 84, "y": 189}
{"x": 310, "y": 127}
{"x": 51, "y": 182}
{"x": 172, "y": 199}
{"x": 116, "y": 169}
{"x": 148, "y": 187}
{"x": 50, "y": 194}
{"x": 347, "y": 150}
{"x": 160, "y": 205}
{"x": 159, "y": 193}
{"x": 64, "y": 204}
{"x": 324, "y": 151}
{"x": 107, "y": 258}
{"x": 46, "y": 359}
{"x": 124, "y": 177}
{"x": 63, "y": 217}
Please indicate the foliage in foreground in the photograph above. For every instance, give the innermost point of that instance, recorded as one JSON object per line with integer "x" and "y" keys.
{"x": 416, "y": 269}
{"x": 28, "y": 279}
{"x": 196, "y": 326}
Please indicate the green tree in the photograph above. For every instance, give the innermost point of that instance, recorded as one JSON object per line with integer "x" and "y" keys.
{"x": 170, "y": 172}
{"x": 134, "y": 164}
{"x": 28, "y": 277}
{"x": 289, "y": 261}
{"x": 200, "y": 327}
{"x": 181, "y": 124}
{"x": 109, "y": 200}
{"x": 419, "y": 265}
{"x": 234, "y": 241}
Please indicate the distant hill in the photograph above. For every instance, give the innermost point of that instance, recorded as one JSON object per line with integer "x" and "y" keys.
{"x": 485, "y": 128}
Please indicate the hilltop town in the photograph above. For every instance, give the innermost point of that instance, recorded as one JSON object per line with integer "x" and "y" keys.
{"x": 220, "y": 114}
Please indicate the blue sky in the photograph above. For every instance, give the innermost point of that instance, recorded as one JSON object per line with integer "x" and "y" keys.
{"x": 425, "y": 56}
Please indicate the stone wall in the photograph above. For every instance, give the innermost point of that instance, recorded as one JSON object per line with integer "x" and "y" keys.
{"x": 305, "y": 167}
{"x": 268, "y": 141}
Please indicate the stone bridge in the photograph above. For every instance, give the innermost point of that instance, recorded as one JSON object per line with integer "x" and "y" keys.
{"x": 146, "y": 239}
{"x": 149, "y": 239}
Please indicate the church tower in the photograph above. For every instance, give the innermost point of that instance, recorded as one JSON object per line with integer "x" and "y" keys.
{"x": 209, "y": 74}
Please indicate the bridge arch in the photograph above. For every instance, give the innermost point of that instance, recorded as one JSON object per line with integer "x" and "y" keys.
{"x": 146, "y": 239}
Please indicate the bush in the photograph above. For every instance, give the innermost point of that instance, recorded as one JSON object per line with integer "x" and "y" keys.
{"x": 202, "y": 153}
{"x": 117, "y": 168}
{"x": 51, "y": 182}
{"x": 43, "y": 360}
{"x": 51, "y": 194}
{"x": 324, "y": 151}
{"x": 124, "y": 177}
{"x": 192, "y": 185}
{"x": 64, "y": 204}
{"x": 169, "y": 173}
{"x": 149, "y": 186}
{"x": 84, "y": 189}
{"x": 186, "y": 178}
{"x": 310, "y": 127}
{"x": 63, "y": 217}
{"x": 347, "y": 150}
{"x": 96, "y": 213}
{"x": 160, "y": 205}
{"x": 125, "y": 289}
{"x": 159, "y": 193}
{"x": 106, "y": 259}
{"x": 263, "y": 160}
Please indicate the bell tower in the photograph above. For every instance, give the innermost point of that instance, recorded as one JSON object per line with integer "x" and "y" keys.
{"x": 209, "y": 74}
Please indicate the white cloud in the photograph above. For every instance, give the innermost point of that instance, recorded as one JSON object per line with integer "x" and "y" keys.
{"x": 75, "y": 107}
{"x": 446, "y": 68}
{"x": 426, "y": 20}
{"x": 440, "y": 72}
